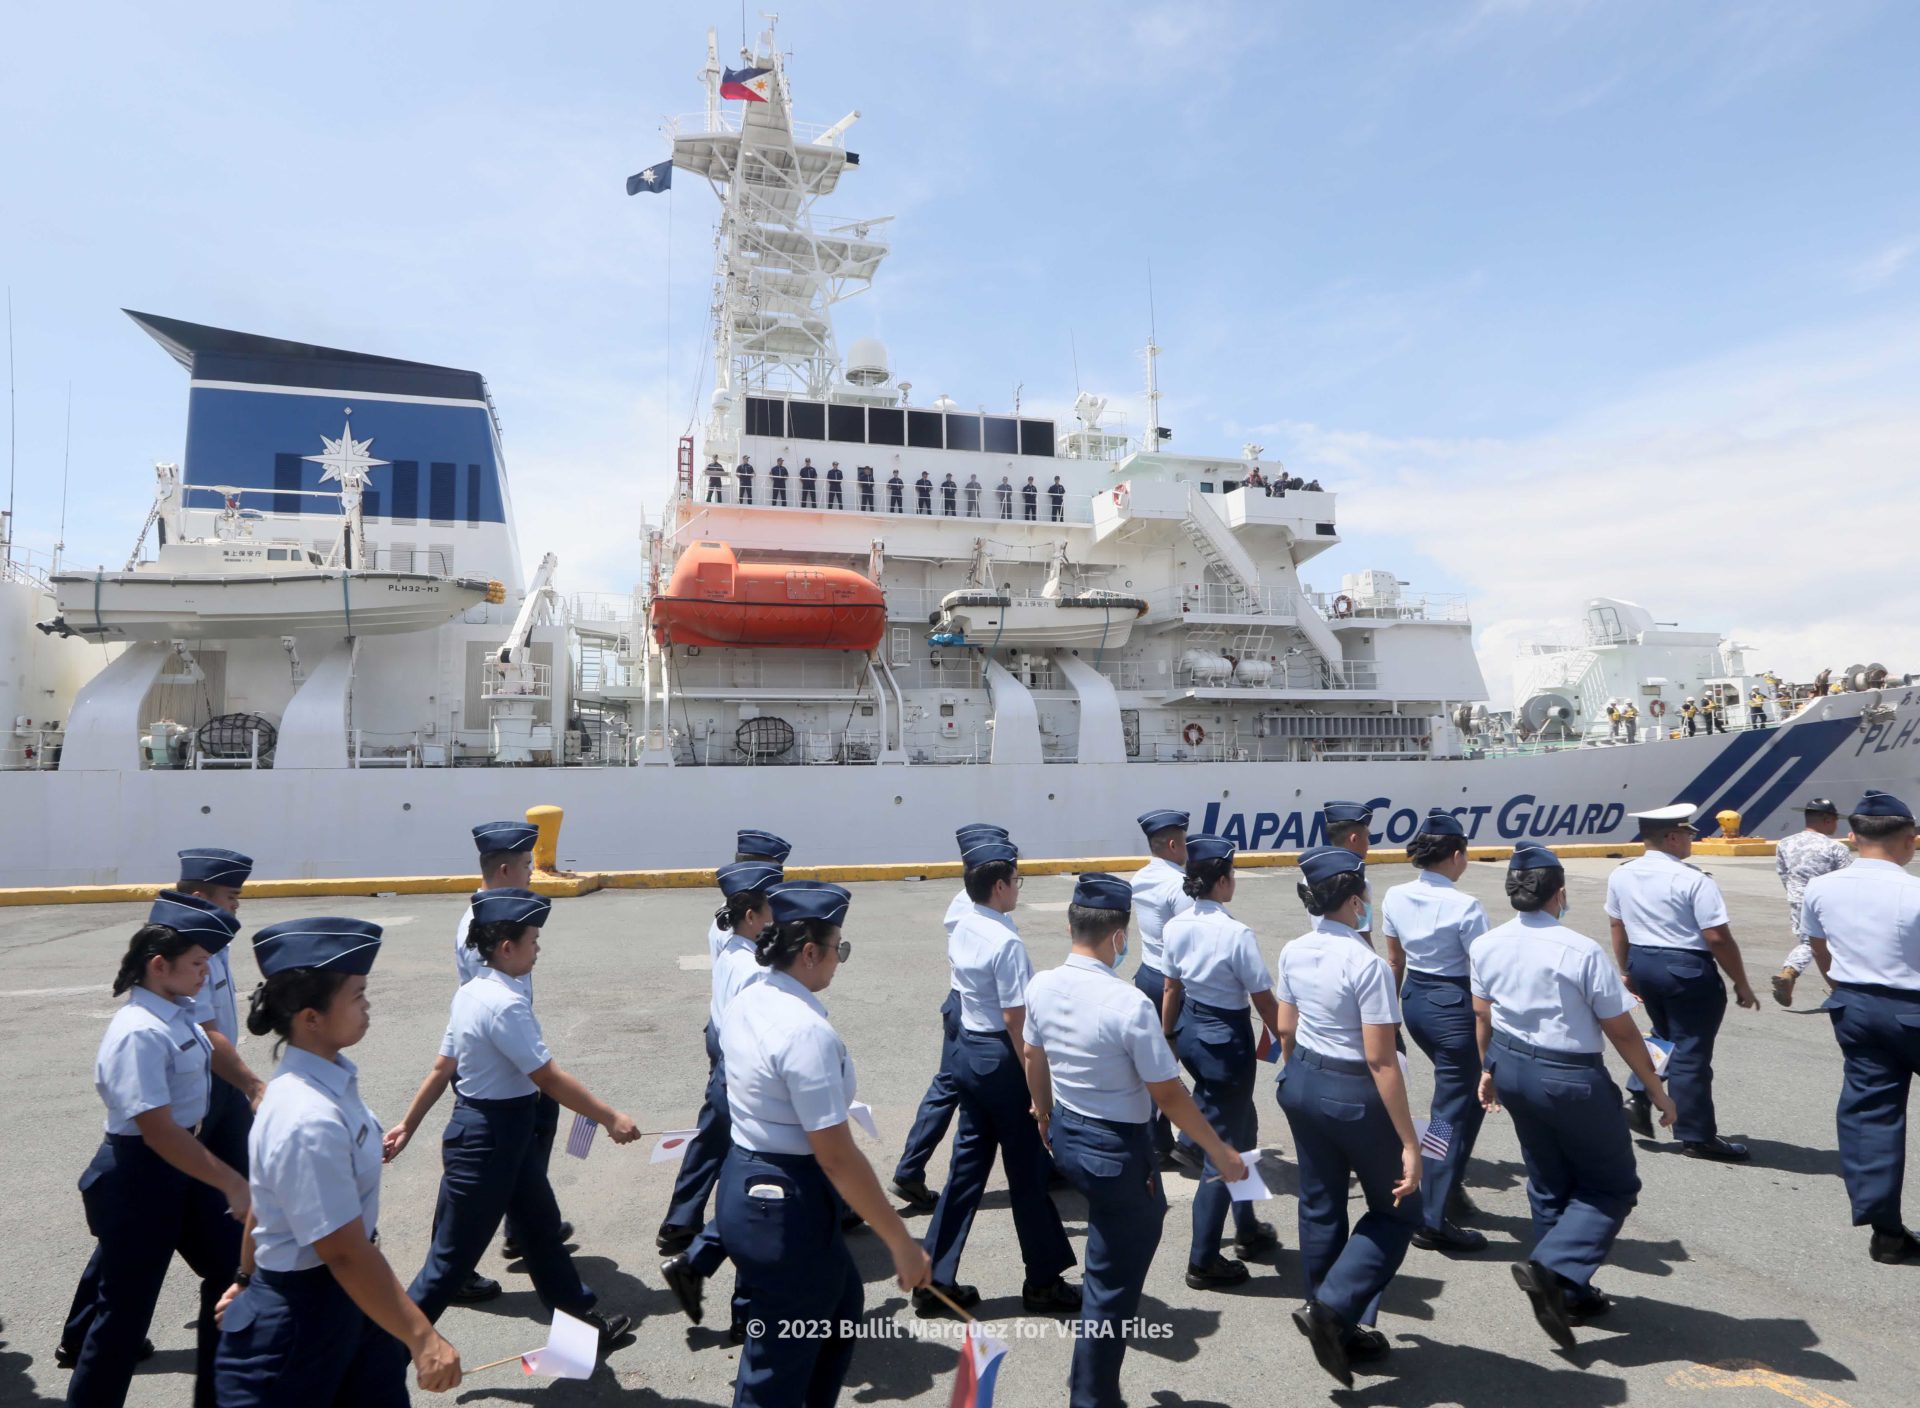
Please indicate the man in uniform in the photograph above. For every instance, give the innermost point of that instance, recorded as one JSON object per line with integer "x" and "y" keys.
{"x": 1613, "y": 719}
{"x": 949, "y": 497}
{"x": 1864, "y": 925}
{"x": 1756, "y": 708}
{"x": 834, "y": 480}
{"x": 1630, "y": 716}
{"x": 864, "y": 473}
{"x": 1004, "y": 493}
{"x": 895, "y": 487}
{"x": 1669, "y": 930}
{"x": 1690, "y": 714}
{"x": 1030, "y": 500}
{"x": 1159, "y": 893}
{"x": 973, "y": 496}
{"x": 778, "y": 476}
{"x": 1797, "y": 859}
{"x": 923, "y": 494}
{"x": 1710, "y": 713}
{"x": 1056, "y": 498}
{"x": 743, "y": 476}
{"x": 809, "y": 484}
{"x": 715, "y": 473}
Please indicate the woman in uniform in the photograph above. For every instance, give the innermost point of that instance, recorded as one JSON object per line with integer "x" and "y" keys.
{"x": 498, "y": 1062}
{"x": 1428, "y": 923}
{"x": 790, "y": 1086}
{"x": 1098, "y": 1064}
{"x": 153, "y": 1188}
{"x": 1213, "y": 971}
{"x": 1346, "y": 1102}
{"x": 1543, "y": 996}
{"x": 316, "y": 1317}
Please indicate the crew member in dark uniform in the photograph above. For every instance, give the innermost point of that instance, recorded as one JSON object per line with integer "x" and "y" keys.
{"x": 778, "y": 474}
{"x": 923, "y": 494}
{"x": 1004, "y": 493}
{"x": 895, "y": 486}
{"x": 1057, "y": 498}
{"x": 743, "y": 475}
{"x": 1030, "y": 500}
{"x": 949, "y": 492}
{"x": 834, "y": 480}
{"x": 864, "y": 474}
{"x": 715, "y": 473}
{"x": 809, "y": 484}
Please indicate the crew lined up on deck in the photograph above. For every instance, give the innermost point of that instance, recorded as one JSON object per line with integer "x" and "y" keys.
{"x": 1075, "y": 1063}
{"x": 951, "y": 492}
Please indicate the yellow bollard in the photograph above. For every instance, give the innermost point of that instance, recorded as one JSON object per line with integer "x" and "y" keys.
{"x": 546, "y": 846}
{"x": 1729, "y": 823}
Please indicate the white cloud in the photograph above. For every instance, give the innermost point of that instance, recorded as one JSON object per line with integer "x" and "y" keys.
{"x": 1883, "y": 264}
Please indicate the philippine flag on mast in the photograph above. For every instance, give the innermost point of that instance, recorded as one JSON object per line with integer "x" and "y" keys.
{"x": 747, "y": 85}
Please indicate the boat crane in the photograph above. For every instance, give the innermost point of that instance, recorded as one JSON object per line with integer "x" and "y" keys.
{"x": 515, "y": 686}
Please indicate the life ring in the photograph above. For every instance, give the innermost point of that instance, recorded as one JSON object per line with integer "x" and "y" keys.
{"x": 1658, "y": 708}
{"x": 1342, "y": 606}
{"x": 1194, "y": 734}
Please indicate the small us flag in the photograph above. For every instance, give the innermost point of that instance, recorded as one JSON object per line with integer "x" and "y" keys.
{"x": 580, "y": 1138}
{"x": 1436, "y": 1139}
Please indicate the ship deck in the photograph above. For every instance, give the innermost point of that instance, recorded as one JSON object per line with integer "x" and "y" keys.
{"x": 1746, "y": 1278}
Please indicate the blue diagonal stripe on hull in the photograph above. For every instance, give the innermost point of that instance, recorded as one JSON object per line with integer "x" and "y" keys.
{"x": 1714, "y": 776}
{"x": 1795, "y": 756}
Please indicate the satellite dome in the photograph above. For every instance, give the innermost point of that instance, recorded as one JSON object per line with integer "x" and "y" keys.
{"x": 867, "y": 362}
{"x": 945, "y": 403}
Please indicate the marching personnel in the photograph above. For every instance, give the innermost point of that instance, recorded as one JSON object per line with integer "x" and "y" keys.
{"x": 1159, "y": 893}
{"x": 1670, "y": 927}
{"x": 942, "y": 1097}
{"x": 497, "y": 1061}
{"x": 153, "y": 1188}
{"x": 744, "y": 884}
{"x": 316, "y": 1318}
{"x": 1346, "y": 1103}
{"x": 991, "y": 967}
{"x": 1214, "y": 971}
{"x": 1798, "y": 859}
{"x": 1097, "y": 1065}
{"x": 1543, "y": 996}
{"x": 1429, "y": 924}
{"x": 1864, "y": 925}
{"x": 790, "y": 1088}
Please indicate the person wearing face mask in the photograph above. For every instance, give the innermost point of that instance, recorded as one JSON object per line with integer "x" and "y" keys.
{"x": 1543, "y": 996}
{"x": 1097, "y": 1066}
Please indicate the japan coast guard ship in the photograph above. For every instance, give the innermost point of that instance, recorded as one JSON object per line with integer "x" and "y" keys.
{"x": 813, "y": 660}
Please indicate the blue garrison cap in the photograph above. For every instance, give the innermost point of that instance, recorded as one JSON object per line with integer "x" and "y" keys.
{"x": 1322, "y": 863}
{"x": 205, "y": 865}
{"x": 509, "y": 836}
{"x": 809, "y": 899}
{"x": 204, "y": 921}
{"x": 1098, "y": 890}
{"x": 742, "y": 875}
{"x": 1531, "y": 855}
{"x": 1205, "y": 847}
{"x": 1441, "y": 822}
{"x": 1339, "y": 813}
{"x": 762, "y": 844}
{"x": 511, "y": 906}
{"x": 1160, "y": 820}
{"x": 975, "y": 832}
{"x": 985, "y": 849}
{"x": 1877, "y": 803}
{"x": 342, "y": 945}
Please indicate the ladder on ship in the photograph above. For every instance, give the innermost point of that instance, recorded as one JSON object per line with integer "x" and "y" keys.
{"x": 1221, "y": 551}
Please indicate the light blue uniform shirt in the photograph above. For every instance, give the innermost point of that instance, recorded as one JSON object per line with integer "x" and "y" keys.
{"x": 1214, "y": 956}
{"x": 1664, "y": 903}
{"x": 716, "y": 940}
{"x": 961, "y": 904}
{"x": 1433, "y": 920}
{"x": 1158, "y": 895}
{"x": 788, "y": 1072}
{"x": 494, "y": 1038}
{"x": 734, "y": 969}
{"x": 215, "y": 1001}
{"x": 1549, "y": 985}
{"x": 1869, "y": 914}
{"x": 154, "y": 1054}
{"x": 1337, "y": 984}
{"x": 315, "y": 1160}
{"x": 1102, "y": 1039}
{"x": 990, "y": 968}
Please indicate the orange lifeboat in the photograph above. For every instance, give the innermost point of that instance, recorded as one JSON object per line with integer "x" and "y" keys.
{"x": 715, "y": 599}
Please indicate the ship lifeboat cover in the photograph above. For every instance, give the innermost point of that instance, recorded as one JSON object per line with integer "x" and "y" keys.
{"x": 715, "y": 599}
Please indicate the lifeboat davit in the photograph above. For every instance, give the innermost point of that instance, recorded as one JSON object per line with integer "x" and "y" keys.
{"x": 715, "y": 599}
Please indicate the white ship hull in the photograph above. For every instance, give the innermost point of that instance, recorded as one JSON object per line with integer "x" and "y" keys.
{"x": 74, "y": 827}
{"x": 1040, "y": 625}
{"x": 150, "y": 606}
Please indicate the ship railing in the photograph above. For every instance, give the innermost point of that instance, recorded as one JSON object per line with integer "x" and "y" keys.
{"x": 1274, "y": 604}
{"x": 603, "y": 608}
{"x": 695, "y": 124}
{"x": 30, "y": 749}
{"x": 430, "y": 561}
{"x": 27, "y": 568}
{"x": 721, "y": 748}
{"x": 797, "y": 670}
{"x": 199, "y": 759}
{"x": 1074, "y": 508}
{"x": 387, "y": 750}
{"x": 948, "y": 667}
{"x": 1429, "y": 606}
{"x": 1292, "y": 673}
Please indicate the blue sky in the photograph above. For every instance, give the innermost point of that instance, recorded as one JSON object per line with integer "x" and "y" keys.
{"x": 1564, "y": 298}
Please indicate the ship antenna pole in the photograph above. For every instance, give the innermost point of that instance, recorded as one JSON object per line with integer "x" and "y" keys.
{"x": 66, "y": 463}
{"x": 11, "y": 428}
{"x": 1153, "y": 382}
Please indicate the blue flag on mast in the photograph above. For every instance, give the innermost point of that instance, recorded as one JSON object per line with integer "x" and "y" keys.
{"x": 658, "y": 177}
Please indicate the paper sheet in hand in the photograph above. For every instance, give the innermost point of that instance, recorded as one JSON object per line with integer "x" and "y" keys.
{"x": 1252, "y": 1188}
{"x": 1659, "y": 1052}
{"x": 573, "y": 1348}
{"x": 861, "y": 1114}
{"x": 672, "y": 1146}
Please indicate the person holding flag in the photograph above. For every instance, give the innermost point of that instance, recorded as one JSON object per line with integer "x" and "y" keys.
{"x": 1543, "y": 996}
{"x": 1097, "y": 1066}
{"x": 1159, "y": 893}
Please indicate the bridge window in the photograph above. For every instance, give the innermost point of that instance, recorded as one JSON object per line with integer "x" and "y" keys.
{"x": 766, "y": 417}
{"x": 1003, "y": 436}
{"x": 806, "y": 420}
{"x": 847, "y": 424}
{"x": 1036, "y": 438}
{"x": 886, "y": 426}
{"x": 963, "y": 432}
{"x": 925, "y": 430}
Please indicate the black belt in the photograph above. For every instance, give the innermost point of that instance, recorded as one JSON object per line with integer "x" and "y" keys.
{"x": 1545, "y": 1053}
{"x": 1881, "y": 990}
{"x": 1066, "y": 1114}
{"x": 1225, "y": 1014}
{"x": 1450, "y": 979}
{"x": 505, "y": 1103}
{"x": 1342, "y": 1065}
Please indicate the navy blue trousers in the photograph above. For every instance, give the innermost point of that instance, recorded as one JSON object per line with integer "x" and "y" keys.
{"x": 143, "y": 1210}
{"x": 937, "y": 1105}
{"x": 1686, "y": 1002}
{"x": 1113, "y": 1165}
{"x": 779, "y": 1216}
{"x": 1581, "y": 1180}
{"x": 295, "y": 1339}
{"x": 492, "y": 1166}
{"x": 1439, "y": 1016}
{"x": 1879, "y": 1034}
{"x": 1153, "y": 983}
{"x": 1215, "y": 1044}
{"x": 713, "y": 1135}
{"x": 1341, "y": 1129}
{"x": 995, "y": 1118}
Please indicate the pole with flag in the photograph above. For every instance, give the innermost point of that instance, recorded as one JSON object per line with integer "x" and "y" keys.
{"x": 747, "y": 85}
{"x": 656, "y": 178}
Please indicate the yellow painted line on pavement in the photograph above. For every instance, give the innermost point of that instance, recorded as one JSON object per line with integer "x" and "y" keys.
{"x": 1751, "y": 1373}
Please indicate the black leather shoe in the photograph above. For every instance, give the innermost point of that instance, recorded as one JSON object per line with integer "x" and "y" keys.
{"x": 475, "y": 1289}
{"x": 1366, "y": 1344}
{"x": 1723, "y": 1151}
{"x": 66, "y": 1356}
{"x": 927, "y": 1305}
{"x": 1186, "y": 1159}
{"x": 1260, "y": 1240}
{"x": 1549, "y": 1300}
{"x": 915, "y": 1194}
{"x": 685, "y": 1283}
{"x": 736, "y": 1334}
{"x": 510, "y": 1249}
{"x": 1640, "y": 1114}
{"x": 1459, "y": 1206}
{"x": 1450, "y": 1239}
{"x": 1587, "y": 1303}
{"x": 1328, "y": 1338}
{"x": 673, "y": 1239}
{"x": 611, "y": 1328}
{"x": 1218, "y": 1274}
{"x": 1892, "y": 1248}
{"x": 1056, "y": 1296}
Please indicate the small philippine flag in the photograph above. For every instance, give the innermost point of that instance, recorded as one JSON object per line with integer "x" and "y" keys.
{"x": 973, "y": 1381}
{"x": 1268, "y": 1050}
{"x": 747, "y": 85}
{"x": 580, "y": 1137}
{"x": 1436, "y": 1139}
